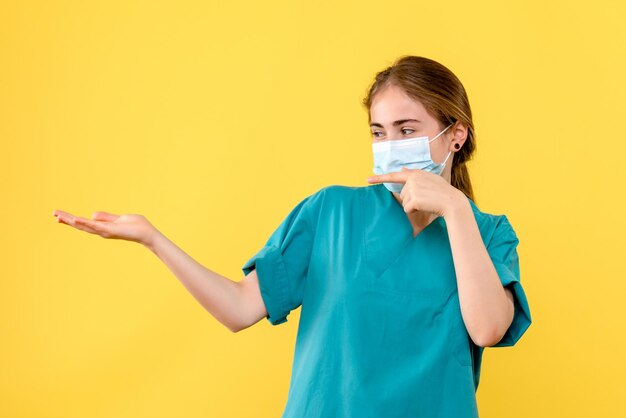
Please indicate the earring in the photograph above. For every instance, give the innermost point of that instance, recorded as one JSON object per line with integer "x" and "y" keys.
{"x": 457, "y": 146}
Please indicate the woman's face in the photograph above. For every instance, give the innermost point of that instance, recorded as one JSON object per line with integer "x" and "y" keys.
{"x": 394, "y": 115}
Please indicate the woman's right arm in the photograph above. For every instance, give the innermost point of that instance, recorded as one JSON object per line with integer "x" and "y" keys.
{"x": 237, "y": 305}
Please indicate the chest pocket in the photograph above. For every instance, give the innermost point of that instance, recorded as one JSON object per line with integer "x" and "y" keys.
{"x": 420, "y": 266}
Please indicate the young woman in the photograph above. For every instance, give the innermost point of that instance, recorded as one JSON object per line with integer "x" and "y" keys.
{"x": 402, "y": 283}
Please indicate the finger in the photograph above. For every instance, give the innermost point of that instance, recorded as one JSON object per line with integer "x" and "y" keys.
{"x": 71, "y": 221}
{"x": 96, "y": 225}
{"x": 85, "y": 228}
{"x": 404, "y": 191}
{"x": 407, "y": 204}
{"x": 104, "y": 229}
{"x": 397, "y": 177}
{"x": 65, "y": 218}
{"x": 104, "y": 216}
{"x": 60, "y": 212}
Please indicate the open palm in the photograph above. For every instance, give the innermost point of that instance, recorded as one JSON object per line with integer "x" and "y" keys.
{"x": 131, "y": 227}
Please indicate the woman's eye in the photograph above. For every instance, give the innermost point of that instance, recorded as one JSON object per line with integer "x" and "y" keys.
{"x": 408, "y": 129}
{"x": 375, "y": 134}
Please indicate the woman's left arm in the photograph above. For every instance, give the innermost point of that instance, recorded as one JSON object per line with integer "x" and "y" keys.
{"x": 486, "y": 306}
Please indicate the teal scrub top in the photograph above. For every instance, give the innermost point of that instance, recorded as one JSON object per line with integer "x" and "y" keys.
{"x": 380, "y": 332}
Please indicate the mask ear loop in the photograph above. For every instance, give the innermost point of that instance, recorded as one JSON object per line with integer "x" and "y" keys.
{"x": 440, "y": 133}
{"x": 443, "y": 164}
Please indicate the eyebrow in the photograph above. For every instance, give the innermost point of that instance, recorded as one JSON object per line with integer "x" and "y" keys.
{"x": 396, "y": 123}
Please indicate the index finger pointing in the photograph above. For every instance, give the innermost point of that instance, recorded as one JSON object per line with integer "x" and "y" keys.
{"x": 397, "y": 177}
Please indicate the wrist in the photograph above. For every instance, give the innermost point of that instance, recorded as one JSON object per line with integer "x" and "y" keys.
{"x": 457, "y": 203}
{"x": 152, "y": 240}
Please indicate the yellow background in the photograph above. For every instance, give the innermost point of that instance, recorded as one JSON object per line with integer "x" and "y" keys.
{"x": 214, "y": 119}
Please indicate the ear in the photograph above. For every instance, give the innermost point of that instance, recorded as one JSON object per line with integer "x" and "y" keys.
{"x": 459, "y": 133}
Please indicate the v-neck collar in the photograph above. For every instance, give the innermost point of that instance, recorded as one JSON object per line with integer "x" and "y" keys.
{"x": 389, "y": 248}
{"x": 397, "y": 208}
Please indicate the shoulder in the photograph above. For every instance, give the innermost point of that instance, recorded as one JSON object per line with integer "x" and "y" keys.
{"x": 335, "y": 193}
{"x": 334, "y": 199}
{"x": 492, "y": 225}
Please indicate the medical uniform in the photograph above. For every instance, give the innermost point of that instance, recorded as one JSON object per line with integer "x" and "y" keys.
{"x": 381, "y": 332}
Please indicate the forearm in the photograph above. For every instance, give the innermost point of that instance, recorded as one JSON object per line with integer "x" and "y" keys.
{"x": 219, "y": 295}
{"x": 487, "y": 310}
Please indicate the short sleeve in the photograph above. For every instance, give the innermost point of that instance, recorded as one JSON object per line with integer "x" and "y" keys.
{"x": 282, "y": 263}
{"x": 503, "y": 252}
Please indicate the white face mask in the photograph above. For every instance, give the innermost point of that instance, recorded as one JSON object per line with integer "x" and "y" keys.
{"x": 413, "y": 153}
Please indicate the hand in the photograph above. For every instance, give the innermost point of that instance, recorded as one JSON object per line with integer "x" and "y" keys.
{"x": 127, "y": 227}
{"x": 422, "y": 190}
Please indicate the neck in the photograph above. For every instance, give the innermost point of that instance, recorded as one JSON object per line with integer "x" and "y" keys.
{"x": 447, "y": 175}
